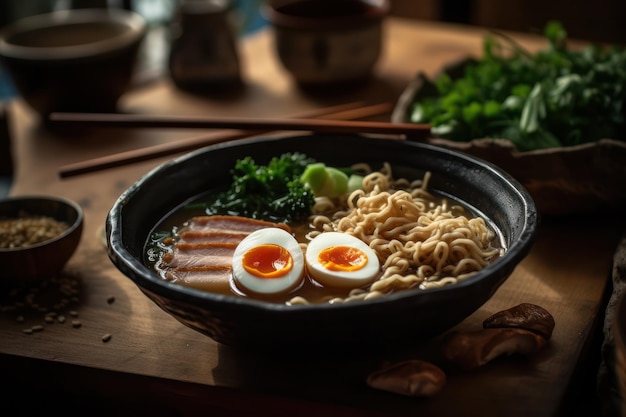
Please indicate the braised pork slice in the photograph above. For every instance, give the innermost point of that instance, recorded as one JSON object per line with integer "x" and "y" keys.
{"x": 201, "y": 256}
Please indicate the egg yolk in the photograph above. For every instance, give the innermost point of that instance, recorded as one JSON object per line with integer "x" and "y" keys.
{"x": 267, "y": 261}
{"x": 342, "y": 258}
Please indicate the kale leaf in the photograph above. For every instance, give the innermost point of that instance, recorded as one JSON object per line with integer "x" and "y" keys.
{"x": 271, "y": 192}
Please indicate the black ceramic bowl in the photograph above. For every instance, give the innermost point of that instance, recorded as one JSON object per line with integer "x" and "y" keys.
{"x": 411, "y": 314}
{"x": 45, "y": 259}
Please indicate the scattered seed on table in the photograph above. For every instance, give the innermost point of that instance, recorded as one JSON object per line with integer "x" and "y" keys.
{"x": 27, "y": 331}
{"x": 20, "y": 319}
{"x": 37, "y": 328}
{"x": 76, "y": 323}
{"x": 106, "y": 337}
{"x": 61, "y": 319}
{"x": 74, "y": 313}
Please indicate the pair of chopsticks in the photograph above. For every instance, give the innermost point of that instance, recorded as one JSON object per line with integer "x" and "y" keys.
{"x": 335, "y": 119}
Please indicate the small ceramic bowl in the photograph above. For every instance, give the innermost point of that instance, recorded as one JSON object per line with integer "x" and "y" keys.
{"x": 42, "y": 246}
{"x": 73, "y": 60}
{"x": 322, "y": 43}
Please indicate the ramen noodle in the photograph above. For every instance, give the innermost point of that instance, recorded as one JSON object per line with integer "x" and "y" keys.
{"x": 422, "y": 240}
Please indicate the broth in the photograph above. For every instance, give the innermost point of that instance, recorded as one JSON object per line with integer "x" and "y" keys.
{"x": 309, "y": 290}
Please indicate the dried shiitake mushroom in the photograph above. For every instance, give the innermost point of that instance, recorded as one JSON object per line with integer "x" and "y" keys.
{"x": 415, "y": 378}
{"x": 470, "y": 350}
{"x": 523, "y": 329}
{"x": 524, "y": 316}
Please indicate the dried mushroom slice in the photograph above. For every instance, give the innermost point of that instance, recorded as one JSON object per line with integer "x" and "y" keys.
{"x": 470, "y": 350}
{"x": 524, "y": 316}
{"x": 415, "y": 378}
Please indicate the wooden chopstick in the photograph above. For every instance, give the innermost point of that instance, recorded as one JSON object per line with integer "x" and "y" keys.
{"x": 266, "y": 124}
{"x": 185, "y": 145}
{"x": 346, "y": 111}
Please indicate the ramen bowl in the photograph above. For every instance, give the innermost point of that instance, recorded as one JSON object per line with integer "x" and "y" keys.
{"x": 39, "y": 235}
{"x": 73, "y": 60}
{"x": 254, "y": 324}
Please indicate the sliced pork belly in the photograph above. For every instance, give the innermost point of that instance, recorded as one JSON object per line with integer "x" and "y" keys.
{"x": 198, "y": 254}
{"x": 229, "y": 224}
{"x": 202, "y": 255}
{"x": 203, "y": 236}
{"x": 208, "y": 278}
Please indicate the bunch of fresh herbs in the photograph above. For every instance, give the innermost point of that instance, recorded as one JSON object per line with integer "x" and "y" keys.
{"x": 554, "y": 97}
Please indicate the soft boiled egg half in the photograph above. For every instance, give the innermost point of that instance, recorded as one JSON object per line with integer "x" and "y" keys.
{"x": 341, "y": 260}
{"x": 268, "y": 261}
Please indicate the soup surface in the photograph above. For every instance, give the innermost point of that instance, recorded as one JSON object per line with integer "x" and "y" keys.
{"x": 420, "y": 239}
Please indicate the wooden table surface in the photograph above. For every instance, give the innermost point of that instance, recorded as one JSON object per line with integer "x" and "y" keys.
{"x": 154, "y": 364}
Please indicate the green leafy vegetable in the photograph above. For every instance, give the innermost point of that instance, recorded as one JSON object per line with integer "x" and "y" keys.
{"x": 271, "y": 192}
{"x": 554, "y": 97}
{"x": 283, "y": 190}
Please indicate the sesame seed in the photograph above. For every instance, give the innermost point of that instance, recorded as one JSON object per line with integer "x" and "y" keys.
{"x": 27, "y": 230}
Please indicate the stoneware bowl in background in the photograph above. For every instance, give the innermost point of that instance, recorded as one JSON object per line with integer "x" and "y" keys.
{"x": 321, "y": 42}
{"x": 73, "y": 60}
{"x": 248, "y": 323}
{"x": 37, "y": 217}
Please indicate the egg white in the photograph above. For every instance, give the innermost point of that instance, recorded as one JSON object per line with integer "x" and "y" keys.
{"x": 343, "y": 279}
{"x": 262, "y": 285}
